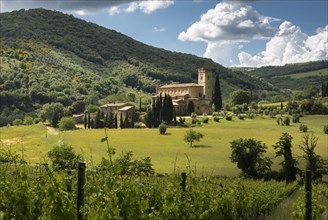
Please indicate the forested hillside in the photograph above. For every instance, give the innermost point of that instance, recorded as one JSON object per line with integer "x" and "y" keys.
{"x": 47, "y": 56}
{"x": 293, "y": 76}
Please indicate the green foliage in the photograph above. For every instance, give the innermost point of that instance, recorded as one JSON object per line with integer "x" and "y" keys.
{"x": 315, "y": 163}
{"x": 319, "y": 200}
{"x": 66, "y": 123}
{"x": 63, "y": 157}
{"x": 29, "y": 192}
{"x": 190, "y": 107}
{"x": 325, "y": 129}
{"x": 217, "y": 96}
{"x": 162, "y": 128}
{"x": 28, "y": 120}
{"x": 248, "y": 154}
{"x": 284, "y": 148}
{"x": 52, "y": 112}
{"x": 303, "y": 128}
{"x": 191, "y": 136}
{"x": 239, "y": 97}
{"x": 286, "y": 121}
{"x": 18, "y": 122}
{"x": 296, "y": 118}
{"x": 228, "y": 117}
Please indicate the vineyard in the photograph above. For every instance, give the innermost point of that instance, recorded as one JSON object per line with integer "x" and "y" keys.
{"x": 37, "y": 192}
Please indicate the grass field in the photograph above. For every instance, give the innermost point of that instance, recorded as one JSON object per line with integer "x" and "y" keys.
{"x": 168, "y": 152}
{"x": 321, "y": 72}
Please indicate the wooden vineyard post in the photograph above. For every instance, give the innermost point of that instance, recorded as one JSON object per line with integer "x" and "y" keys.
{"x": 80, "y": 189}
{"x": 308, "y": 195}
{"x": 183, "y": 183}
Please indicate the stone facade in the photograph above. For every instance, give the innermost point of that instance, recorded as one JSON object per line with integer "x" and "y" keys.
{"x": 200, "y": 94}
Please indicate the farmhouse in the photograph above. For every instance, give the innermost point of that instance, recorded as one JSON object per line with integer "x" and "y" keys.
{"x": 125, "y": 109}
{"x": 182, "y": 94}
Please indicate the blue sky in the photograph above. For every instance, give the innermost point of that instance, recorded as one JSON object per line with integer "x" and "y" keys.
{"x": 232, "y": 33}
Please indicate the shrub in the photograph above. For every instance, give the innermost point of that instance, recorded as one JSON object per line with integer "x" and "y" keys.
{"x": 216, "y": 118}
{"x": 280, "y": 121}
{"x": 228, "y": 117}
{"x": 205, "y": 119}
{"x": 241, "y": 117}
{"x": 215, "y": 114}
{"x": 194, "y": 121}
{"x": 63, "y": 157}
{"x": 37, "y": 120}
{"x": 193, "y": 115}
{"x": 28, "y": 120}
{"x": 139, "y": 125}
{"x": 303, "y": 128}
{"x": 296, "y": 118}
{"x": 287, "y": 121}
{"x": 66, "y": 123}
{"x": 18, "y": 122}
{"x": 325, "y": 129}
{"x": 162, "y": 128}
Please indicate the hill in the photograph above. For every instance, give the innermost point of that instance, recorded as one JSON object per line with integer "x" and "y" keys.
{"x": 293, "y": 76}
{"x": 48, "y": 56}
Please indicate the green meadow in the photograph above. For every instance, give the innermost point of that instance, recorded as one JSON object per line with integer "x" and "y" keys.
{"x": 168, "y": 152}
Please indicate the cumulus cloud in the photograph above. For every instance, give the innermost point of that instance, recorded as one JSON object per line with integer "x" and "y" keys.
{"x": 149, "y": 6}
{"x": 289, "y": 45}
{"x": 228, "y": 25}
{"x": 83, "y": 7}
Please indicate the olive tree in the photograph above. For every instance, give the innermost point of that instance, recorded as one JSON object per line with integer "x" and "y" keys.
{"x": 191, "y": 136}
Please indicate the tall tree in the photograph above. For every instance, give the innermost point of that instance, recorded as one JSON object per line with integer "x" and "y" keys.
{"x": 115, "y": 121}
{"x": 217, "y": 96}
{"x": 85, "y": 120}
{"x": 284, "y": 147}
{"x": 89, "y": 120}
{"x": 190, "y": 107}
{"x": 121, "y": 121}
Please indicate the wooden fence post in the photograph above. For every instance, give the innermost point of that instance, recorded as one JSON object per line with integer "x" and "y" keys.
{"x": 80, "y": 190}
{"x": 308, "y": 194}
{"x": 183, "y": 183}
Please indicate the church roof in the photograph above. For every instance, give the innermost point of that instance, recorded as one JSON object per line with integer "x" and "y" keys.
{"x": 182, "y": 85}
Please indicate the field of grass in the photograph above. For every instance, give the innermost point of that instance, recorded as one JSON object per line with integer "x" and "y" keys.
{"x": 168, "y": 152}
{"x": 321, "y": 72}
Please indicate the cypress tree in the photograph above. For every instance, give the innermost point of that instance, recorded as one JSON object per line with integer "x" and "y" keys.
{"x": 160, "y": 109}
{"x": 85, "y": 120}
{"x": 281, "y": 106}
{"x": 97, "y": 120}
{"x": 92, "y": 123}
{"x": 126, "y": 121}
{"x": 149, "y": 119}
{"x": 111, "y": 120}
{"x": 217, "y": 96}
{"x": 89, "y": 120}
{"x": 165, "y": 108}
{"x": 170, "y": 109}
{"x": 323, "y": 90}
{"x": 115, "y": 121}
{"x": 140, "y": 105}
{"x": 121, "y": 121}
{"x": 174, "y": 117}
{"x": 132, "y": 122}
{"x": 190, "y": 108}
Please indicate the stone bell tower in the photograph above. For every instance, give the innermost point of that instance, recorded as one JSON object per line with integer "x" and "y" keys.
{"x": 205, "y": 78}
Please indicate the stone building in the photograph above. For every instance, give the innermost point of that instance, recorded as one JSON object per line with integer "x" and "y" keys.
{"x": 200, "y": 94}
{"x": 125, "y": 109}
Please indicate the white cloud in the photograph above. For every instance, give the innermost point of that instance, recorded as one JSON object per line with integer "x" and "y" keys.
{"x": 114, "y": 10}
{"x": 156, "y": 29}
{"x": 83, "y": 7}
{"x": 149, "y": 6}
{"x": 289, "y": 45}
{"x": 225, "y": 27}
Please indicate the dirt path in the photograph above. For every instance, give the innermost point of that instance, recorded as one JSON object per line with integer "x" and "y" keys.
{"x": 284, "y": 210}
{"x": 52, "y": 131}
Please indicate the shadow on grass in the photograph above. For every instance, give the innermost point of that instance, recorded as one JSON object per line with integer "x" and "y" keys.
{"x": 166, "y": 134}
{"x": 201, "y": 146}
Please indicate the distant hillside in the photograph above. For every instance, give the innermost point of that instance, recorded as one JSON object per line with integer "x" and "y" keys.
{"x": 48, "y": 56}
{"x": 293, "y": 76}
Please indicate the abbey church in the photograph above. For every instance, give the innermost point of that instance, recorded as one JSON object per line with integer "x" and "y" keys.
{"x": 200, "y": 94}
